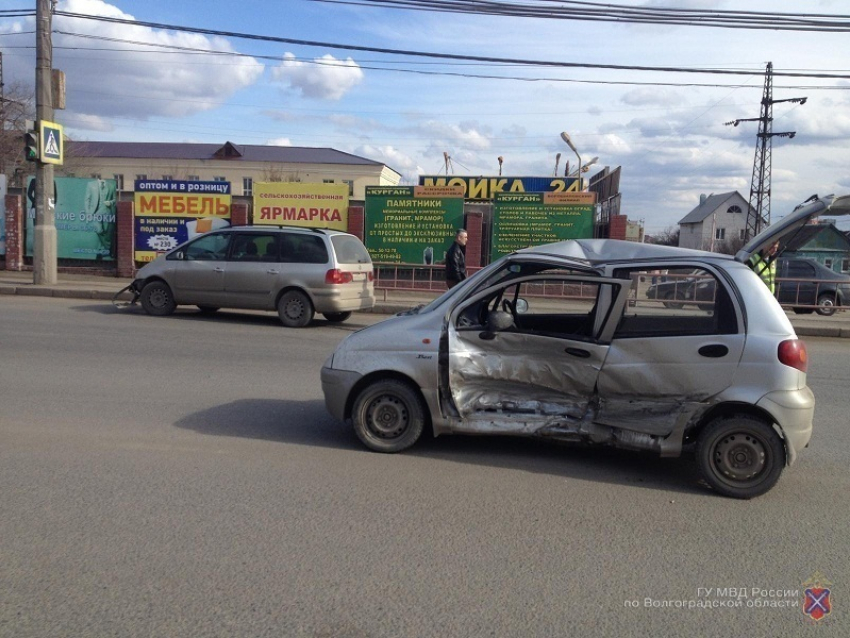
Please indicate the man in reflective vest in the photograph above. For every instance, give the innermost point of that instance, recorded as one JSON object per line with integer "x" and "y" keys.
{"x": 764, "y": 265}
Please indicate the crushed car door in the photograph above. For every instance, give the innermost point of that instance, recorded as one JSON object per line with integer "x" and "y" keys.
{"x": 668, "y": 361}
{"x": 523, "y": 355}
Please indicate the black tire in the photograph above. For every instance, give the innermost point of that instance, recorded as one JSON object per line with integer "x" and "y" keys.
{"x": 740, "y": 456}
{"x": 803, "y": 311}
{"x": 388, "y": 416}
{"x": 826, "y": 305}
{"x": 157, "y": 299}
{"x": 669, "y": 303}
{"x": 336, "y": 317}
{"x": 295, "y": 309}
{"x": 208, "y": 310}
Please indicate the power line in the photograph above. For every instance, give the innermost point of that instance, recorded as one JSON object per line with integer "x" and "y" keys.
{"x": 441, "y": 56}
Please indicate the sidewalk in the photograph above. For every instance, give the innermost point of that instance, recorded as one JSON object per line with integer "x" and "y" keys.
{"x": 388, "y": 301}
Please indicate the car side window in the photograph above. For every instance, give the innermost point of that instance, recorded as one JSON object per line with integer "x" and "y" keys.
{"x": 675, "y": 302}
{"x": 800, "y": 269}
{"x": 253, "y": 247}
{"x": 303, "y": 249}
{"x": 545, "y": 307}
{"x": 208, "y": 248}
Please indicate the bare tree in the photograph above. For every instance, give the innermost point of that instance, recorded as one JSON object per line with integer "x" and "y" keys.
{"x": 17, "y": 105}
{"x": 667, "y": 237}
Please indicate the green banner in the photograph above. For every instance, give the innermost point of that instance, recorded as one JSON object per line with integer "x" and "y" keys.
{"x": 85, "y": 218}
{"x": 411, "y": 224}
{"x": 532, "y": 219}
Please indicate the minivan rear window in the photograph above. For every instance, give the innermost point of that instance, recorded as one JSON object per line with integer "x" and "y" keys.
{"x": 350, "y": 250}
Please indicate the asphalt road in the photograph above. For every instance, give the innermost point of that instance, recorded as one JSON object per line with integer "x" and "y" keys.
{"x": 180, "y": 477}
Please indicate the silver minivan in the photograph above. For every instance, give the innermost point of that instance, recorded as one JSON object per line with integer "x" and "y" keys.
{"x": 562, "y": 341}
{"x": 296, "y": 271}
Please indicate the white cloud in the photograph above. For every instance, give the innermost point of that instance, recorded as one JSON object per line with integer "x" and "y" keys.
{"x": 279, "y": 141}
{"x": 325, "y": 78}
{"x": 655, "y": 96}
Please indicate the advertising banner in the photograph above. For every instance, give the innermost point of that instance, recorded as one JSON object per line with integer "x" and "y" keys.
{"x": 297, "y": 204}
{"x": 168, "y": 213}
{"x": 487, "y": 187}
{"x": 531, "y": 219}
{"x": 85, "y": 218}
{"x": 412, "y": 224}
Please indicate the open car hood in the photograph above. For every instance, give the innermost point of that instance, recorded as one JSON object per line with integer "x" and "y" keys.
{"x": 829, "y": 205}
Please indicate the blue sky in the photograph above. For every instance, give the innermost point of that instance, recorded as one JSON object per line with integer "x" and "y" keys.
{"x": 670, "y": 140}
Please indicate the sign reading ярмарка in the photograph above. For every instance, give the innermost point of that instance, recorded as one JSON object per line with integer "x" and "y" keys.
{"x": 521, "y": 220}
{"x": 412, "y": 224}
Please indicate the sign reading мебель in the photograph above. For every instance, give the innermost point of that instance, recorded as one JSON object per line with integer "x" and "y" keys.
{"x": 531, "y": 219}
{"x": 85, "y": 218}
{"x": 487, "y": 187}
{"x": 412, "y": 224}
{"x": 168, "y": 213}
{"x": 297, "y": 204}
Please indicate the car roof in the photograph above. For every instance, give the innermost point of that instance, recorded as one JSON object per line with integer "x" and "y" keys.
{"x": 275, "y": 228}
{"x": 602, "y": 251}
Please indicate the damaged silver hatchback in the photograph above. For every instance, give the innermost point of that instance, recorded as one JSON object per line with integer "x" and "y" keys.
{"x": 565, "y": 341}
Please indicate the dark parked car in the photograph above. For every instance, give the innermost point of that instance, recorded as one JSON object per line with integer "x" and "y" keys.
{"x": 676, "y": 288}
{"x": 804, "y": 282}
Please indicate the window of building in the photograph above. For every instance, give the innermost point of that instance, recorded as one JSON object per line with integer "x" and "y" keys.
{"x": 96, "y": 176}
{"x": 119, "y": 181}
{"x": 720, "y": 233}
{"x": 219, "y": 178}
{"x": 167, "y": 177}
{"x": 327, "y": 181}
{"x": 742, "y": 234}
{"x": 734, "y": 209}
{"x": 141, "y": 177}
{"x": 194, "y": 178}
{"x": 828, "y": 263}
{"x": 247, "y": 185}
{"x": 350, "y": 186}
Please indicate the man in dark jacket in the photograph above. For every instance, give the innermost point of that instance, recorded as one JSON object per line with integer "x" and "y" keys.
{"x": 456, "y": 260}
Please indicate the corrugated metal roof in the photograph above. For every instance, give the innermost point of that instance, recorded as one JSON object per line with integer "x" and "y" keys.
{"x": 226, "y": 152}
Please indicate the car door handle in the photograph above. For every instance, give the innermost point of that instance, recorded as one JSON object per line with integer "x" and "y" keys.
{"x": 218, "y": 269}
{"x": 714, "y": 350}
{"x": 272, "y": 272}
{"x": 577, "y": 352}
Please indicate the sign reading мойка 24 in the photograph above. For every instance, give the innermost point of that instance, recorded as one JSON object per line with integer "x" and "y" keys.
{"x": 486, "y": 187}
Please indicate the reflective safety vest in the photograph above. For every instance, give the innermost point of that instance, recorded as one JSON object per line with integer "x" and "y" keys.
{"x": 767, "y": 271}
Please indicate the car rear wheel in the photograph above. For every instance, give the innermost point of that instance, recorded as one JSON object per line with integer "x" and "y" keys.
{"x": 826, "y": 305}
{"x": 295, "y": 309}
{"x": 157, "y": 299}
{"x": 388, "y": 416}
{"x": 336, "y": 317}
{"x": 740, "y": 456}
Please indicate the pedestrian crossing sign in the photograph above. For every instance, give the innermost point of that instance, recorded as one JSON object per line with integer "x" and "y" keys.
{"x": 52, "y": 144}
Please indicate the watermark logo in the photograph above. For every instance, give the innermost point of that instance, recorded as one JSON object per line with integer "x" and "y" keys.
{"x": 817, "y": 602}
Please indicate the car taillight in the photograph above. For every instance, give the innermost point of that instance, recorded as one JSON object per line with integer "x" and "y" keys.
{"x": 371, "y": 276}
{"x": 337, "y": 276}
{"x": 792, "y": 352}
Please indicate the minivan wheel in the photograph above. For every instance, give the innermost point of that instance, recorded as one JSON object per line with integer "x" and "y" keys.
{"x": 295, "y": 309}
{"x": 388, "y": 416}
{"x": 826, "y": 305}
{"x": 740, "y": 456}
{"x": 669, "y": 302}
{"x": 157, "y": 299}
{"x": 336, "y": 317}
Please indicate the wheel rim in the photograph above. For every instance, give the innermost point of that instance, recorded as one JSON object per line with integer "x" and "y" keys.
{"x": 294, "y": 309}
{"x": 827, "y": 305}
{"x": 387, "y": 417}
{"x": 159, "y": 298}
{"x": 740, "y": 456}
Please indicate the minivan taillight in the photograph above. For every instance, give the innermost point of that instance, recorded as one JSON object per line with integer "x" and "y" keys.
{"x": 792, "y": 352}
{"x": 337, "y": 276}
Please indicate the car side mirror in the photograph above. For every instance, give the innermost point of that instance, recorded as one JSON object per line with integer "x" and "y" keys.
{"x": 521, "y": 306}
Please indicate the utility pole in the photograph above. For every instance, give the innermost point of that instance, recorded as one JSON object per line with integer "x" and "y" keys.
{"x": 44, "y": 244}
{"x": 758, "y": 214}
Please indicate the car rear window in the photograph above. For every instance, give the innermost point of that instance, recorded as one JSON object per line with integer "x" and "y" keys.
{"x": 350, "y": 250}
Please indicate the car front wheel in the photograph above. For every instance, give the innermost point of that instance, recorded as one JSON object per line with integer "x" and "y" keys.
{"x": 295, "y": 309}
{"x": 388, "y": 416}
{"x": 740, "y": 456}
{"x": 157, "y": 299}
{"x": 669, "y": 302}
{"x": 826, "y": 305}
